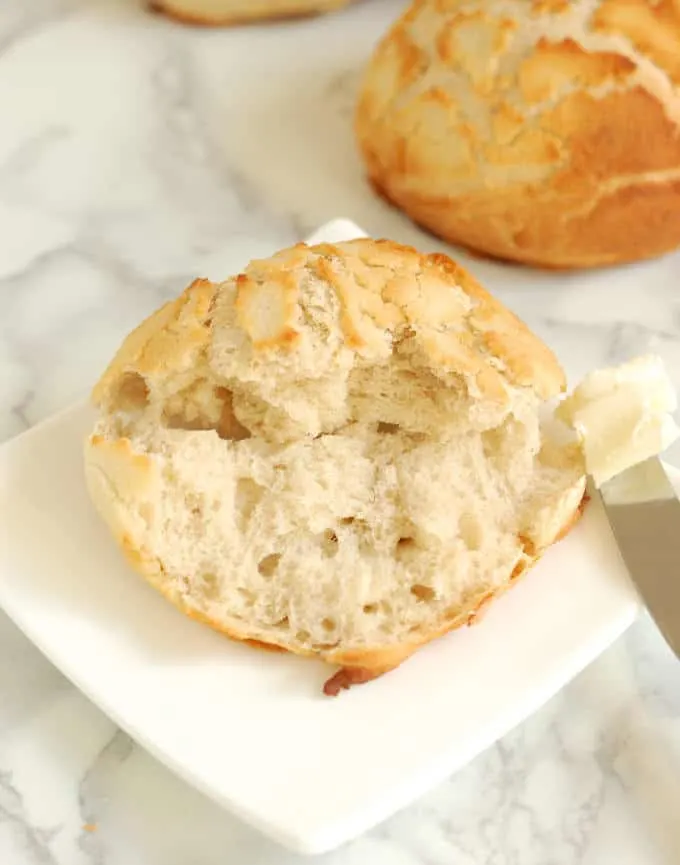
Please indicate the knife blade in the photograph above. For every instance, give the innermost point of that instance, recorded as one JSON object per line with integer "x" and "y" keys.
{"x": 644, "y": 513}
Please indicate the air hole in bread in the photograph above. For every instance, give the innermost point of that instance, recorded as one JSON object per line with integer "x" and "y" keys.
{"x": 423, "y": 593}
{"x": 490, "y": 442}
{"x": 210, "y": 587}
{"x": 329, "y": 543}
{"x": 229, "y": 427}
{"x": 387, "y": 428}
{"x": 247, "y": 498}
{"x": 180, "y": 421}
{"x": 192, "y": 408}
{"x": 346, "y": 521}
{"x": 328, "y": 624}
{"x": 470, "y": 531}
{"x": 269, "y": 564}
{"x": 370, "y": 609}
{"x": 132, "y": 393}
{"x": 248, "y": 596}
{"x": 302, "y": 636}
{"x": 405, "y": 545}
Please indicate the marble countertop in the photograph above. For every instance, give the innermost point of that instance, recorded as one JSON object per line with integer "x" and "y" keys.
{"x": 134, "y": 155}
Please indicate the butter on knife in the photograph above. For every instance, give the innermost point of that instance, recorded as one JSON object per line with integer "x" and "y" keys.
{"x": 622, "y": 415}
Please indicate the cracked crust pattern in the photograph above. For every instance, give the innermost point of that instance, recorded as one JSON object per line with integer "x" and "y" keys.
{"x": 375, "y": 293}
{"x": 547, "y": 133}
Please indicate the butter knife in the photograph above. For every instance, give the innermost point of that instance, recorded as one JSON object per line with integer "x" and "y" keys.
{"x": 644, "y": 513}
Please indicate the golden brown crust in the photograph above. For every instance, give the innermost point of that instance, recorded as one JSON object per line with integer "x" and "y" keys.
{"x": 571, "y": 157}
{"x": 653, "y": 29}
{"x": 199, "y": 14}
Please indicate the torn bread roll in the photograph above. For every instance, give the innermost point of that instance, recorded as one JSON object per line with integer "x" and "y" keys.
{"x": 338, "y": 452}
{"x": 223, "y": 12}
{"x": 539, "y": 131}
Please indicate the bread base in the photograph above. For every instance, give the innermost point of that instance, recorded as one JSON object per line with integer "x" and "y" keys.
{"x": 625, "y": 255}
{"x": 165, "y": 7}
{"x": 357, "y": 666}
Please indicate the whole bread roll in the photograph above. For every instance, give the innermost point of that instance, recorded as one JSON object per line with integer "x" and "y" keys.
{"x": 540, "y": 131}
{"x": 220, "y": 12}
{"x": 337, "y": 452}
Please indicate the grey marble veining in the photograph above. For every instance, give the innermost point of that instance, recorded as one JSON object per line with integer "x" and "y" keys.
{"x": 135, "y": 155}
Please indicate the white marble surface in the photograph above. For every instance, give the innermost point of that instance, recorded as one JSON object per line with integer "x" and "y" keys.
{"x": 134, "y": 155}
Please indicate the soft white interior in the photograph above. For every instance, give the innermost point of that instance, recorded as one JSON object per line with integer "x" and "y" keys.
{"x": 384, "y": 526}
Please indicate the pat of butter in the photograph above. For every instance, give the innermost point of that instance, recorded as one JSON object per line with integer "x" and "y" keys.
{"x": 622, "y": 416}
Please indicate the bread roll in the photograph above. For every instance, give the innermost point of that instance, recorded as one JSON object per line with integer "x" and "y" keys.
{"x": 337, "y": 452}
{"x": 220, "y": 12}
{"x": 540, "y": 131}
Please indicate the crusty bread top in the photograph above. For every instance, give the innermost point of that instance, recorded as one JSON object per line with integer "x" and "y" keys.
{"x": 545, "y": 131}
{"x": 310, "y": 317}
{"x": 503, "y": 81}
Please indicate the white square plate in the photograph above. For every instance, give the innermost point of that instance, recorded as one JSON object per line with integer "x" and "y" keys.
{"x": 252, "y": 729}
